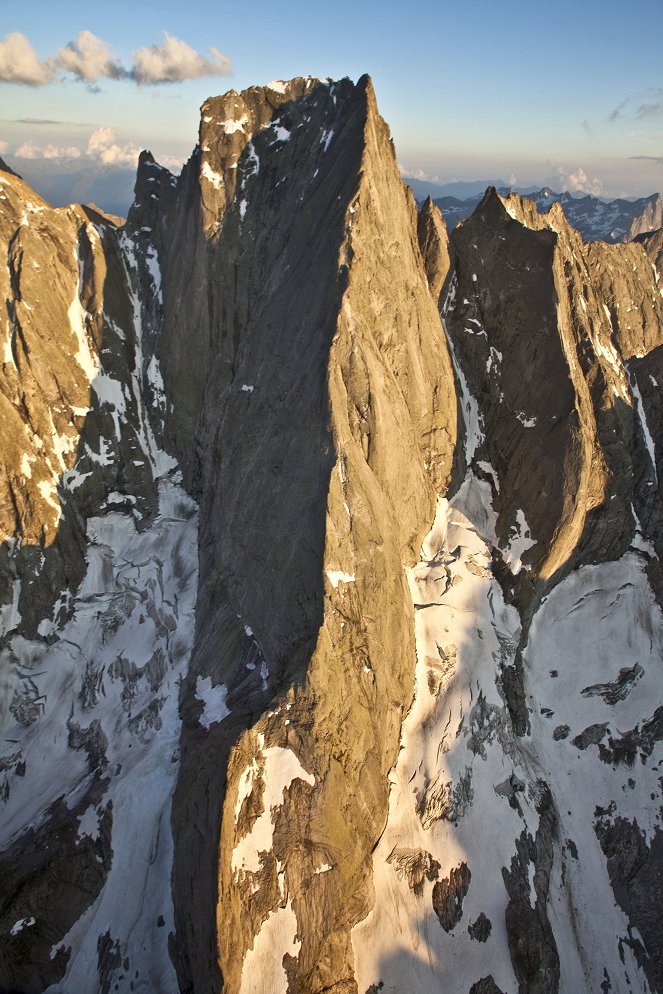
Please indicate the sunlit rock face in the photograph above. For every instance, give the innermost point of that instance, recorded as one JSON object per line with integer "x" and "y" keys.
{"x": 331, "y": 596}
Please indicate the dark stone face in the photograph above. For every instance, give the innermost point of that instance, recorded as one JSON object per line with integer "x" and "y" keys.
{"x": 449, "y": 894}
{"x": 635, "y": 869}
{"x": 481, "y": 928}
{"x": 532, "y": 944}
{"x": 485, "y": 986}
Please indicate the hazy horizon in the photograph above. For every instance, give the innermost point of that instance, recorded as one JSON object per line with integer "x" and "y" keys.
{"x": 572, "y": 98}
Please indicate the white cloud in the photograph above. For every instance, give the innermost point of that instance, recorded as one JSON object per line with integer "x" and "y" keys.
{"x": 19, "y": 63}
{"x": 578, "y": 182}
{"x": 3, "y": 147}
{"x": 103, "y": 148}
{"x": 174, "y": 61}
{"x": 89, "y": 58}
{"x": 70, "y": 152}
{"x": 417, "y": 174}
{"x": 28, "y": 150}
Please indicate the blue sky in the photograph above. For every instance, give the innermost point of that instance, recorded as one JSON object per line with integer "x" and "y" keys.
{"x": 564, "y": 93}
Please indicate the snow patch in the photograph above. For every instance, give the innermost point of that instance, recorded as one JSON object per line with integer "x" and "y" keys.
{"x": 234, "y": 124}
{"x": 262, "y": 970}
{"x": 336, "y": 576}
{"x": 214, "y": 700}
{"x": 520, "y": 541}
{"x": 216, "y": 179}
{"x": 88, "y": 824}
{"x": 281, "y": 767}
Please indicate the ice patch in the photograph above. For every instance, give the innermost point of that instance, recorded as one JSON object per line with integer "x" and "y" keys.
{"x": 21, "y": 924}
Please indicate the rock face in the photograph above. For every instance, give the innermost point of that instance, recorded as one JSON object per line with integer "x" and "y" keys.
{"x": 595, "y": 219}
{"x": 331, "y": 594}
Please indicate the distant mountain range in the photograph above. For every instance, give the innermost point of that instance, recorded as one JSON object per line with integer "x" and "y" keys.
{"x": 596, "y": 219}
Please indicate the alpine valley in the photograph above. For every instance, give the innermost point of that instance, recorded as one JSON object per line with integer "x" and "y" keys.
{"x": 330, "y": 580}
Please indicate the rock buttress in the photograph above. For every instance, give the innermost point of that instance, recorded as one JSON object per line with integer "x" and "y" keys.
{"x": 317, "y": 428}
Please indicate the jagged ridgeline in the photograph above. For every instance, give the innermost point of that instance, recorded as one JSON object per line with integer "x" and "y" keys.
{"x": 330, "y": 591}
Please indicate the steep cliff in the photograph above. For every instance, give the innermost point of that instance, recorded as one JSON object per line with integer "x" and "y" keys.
{"x": 324, "y": 420}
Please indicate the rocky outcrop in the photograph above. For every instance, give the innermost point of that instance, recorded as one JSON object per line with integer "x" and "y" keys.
{"x": 434, "y": 245}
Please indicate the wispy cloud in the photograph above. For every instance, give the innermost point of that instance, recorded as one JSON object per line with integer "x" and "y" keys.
{"x": 89, "y": 59}
{"x": 647, "y": 103}
{"x": 650, "y": 158}
{"x": 652, "y": 109}
{"x": 46, "y": 120}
